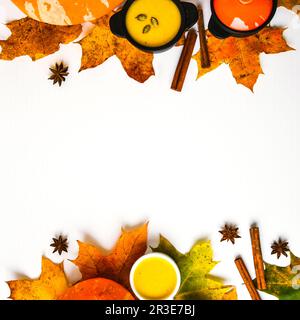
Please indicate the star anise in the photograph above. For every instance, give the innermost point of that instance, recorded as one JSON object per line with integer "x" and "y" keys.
{"x": 229, "y": 233}
{"x": 280, "y": 247}
{"x": 60, "y": 245}
{"x": 59, "y": 73}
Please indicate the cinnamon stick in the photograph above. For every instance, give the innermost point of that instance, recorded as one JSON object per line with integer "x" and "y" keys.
{"x": 184, "y": 61}
{"x": 247, "y": 278}
{"x": 205, "y": 61}
{"x": 179, "y": 65}
{"x": 258, "y": 259}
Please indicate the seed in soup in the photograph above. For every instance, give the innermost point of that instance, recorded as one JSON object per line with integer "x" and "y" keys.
{"x": 153, "y": 23}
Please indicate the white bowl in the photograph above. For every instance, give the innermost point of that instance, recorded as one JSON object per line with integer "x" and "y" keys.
{"x": 155, "y": 255}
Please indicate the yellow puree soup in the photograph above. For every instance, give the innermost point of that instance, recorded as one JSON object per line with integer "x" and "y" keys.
{"x": 155, "y": 278}
{"x": 153, "y": 23}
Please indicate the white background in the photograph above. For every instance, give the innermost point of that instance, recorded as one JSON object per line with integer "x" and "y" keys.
{"x": 104, "y": 151}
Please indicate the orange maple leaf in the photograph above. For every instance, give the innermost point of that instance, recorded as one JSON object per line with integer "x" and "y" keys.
{"x": 116, "y": 266}
{"x": 242, "y": 54}
{"x": 101, "y": 44}
{"x": 289, "y": 4}
{"x": 36, "y": 39}
{"x": 50, "y": 285}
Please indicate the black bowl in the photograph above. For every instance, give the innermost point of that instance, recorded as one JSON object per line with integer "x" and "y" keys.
{"x": 189, "y": 16}
{"x": 221, "y": 31}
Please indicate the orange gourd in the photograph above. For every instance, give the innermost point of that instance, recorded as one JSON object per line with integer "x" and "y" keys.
{"x": 66, "y": 12}
{"x": 96, "y": 289}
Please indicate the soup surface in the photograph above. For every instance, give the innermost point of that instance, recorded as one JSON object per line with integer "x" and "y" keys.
{"x": 243, "y": 15}
{"x": 155, "y": 278}
{"x": 153, "y": 23}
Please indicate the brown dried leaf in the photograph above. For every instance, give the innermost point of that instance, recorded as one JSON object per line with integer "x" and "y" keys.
{"x": 242, "y": 54}
{"x": 36, "y": 39}
{"x": 101, "y": 44}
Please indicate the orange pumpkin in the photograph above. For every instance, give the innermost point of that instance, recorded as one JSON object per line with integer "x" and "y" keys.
{"x": 97, "y": 289}
{"x": 66, "y": 12}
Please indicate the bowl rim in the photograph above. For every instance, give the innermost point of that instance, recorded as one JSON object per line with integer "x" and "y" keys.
{"x": 242, "y": 33}
{"x": 153, "y": 255}
{"x": 167, "y": 45}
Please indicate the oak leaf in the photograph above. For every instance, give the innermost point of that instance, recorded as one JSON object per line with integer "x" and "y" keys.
{"x": 284, "y": 282}
{"x": 50, "y": 285}
{"x": 101, "y": 44}
{"x": 116, "y": 266}
{"x": 242, "y": 54}
{"x": 195, "y": 267}
{"x": 36, "y": 39}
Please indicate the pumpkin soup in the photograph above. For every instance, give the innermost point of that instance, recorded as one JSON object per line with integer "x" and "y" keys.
{"x": 155, "y": 277}
{"x": 153, "y": 23}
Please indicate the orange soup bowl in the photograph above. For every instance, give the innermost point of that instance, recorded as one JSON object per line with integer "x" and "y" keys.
{"x": 240, "y": 18}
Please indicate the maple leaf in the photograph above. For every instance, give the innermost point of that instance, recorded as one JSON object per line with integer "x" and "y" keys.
{"x": 51, "y": 284}
{"x": 195, "y": 266}
{"x": 116, "y": 266}
{"x": 289, "y": 4}
{"x": 242, "y": 54}
{"x": 101, "y": 44}
{"x": 181, "y": 41}
{"x": 284, "y": 282}
{"x": 36, "y": 39}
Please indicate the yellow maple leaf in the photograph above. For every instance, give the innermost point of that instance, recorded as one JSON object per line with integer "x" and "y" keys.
{"x": 50, "y": 285}
{"x": 36, "y": 39}
{"x": 116, "y": 266}
{"x": 242, "y": 54}
{"x": 101, "y": 44}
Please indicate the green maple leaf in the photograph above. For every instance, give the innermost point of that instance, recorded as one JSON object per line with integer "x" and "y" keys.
{"x": 284, "y": 282}
{"x": 195, "y": 266}
{"x": 289, "y": 4}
